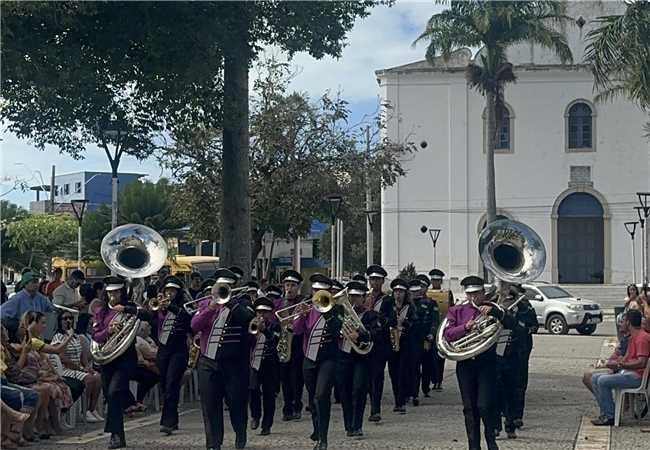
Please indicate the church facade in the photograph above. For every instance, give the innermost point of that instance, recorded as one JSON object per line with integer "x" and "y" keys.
{"x": 567, "y": 166}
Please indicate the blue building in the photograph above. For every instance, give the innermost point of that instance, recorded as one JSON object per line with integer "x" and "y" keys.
{"x": 95, "y": 187}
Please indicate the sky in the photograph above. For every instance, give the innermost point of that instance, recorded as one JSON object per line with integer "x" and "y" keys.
{"x": 379, "y": 41}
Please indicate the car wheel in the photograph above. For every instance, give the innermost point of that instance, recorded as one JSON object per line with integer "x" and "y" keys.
{"x": 556, "y": 324}
{"x": 586, "y": 329}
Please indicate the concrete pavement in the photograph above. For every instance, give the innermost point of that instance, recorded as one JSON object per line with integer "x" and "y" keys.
{"x": 557, "y": 405}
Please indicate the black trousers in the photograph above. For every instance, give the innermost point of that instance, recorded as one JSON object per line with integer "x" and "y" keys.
{"x": 416, "y": 361}
{"x": 264, "y": 388}
{"x": 319, "y": 381}
{"x": 425, "y": 372}
{"x": 438, "y": 367}
{"x": 378, "y": 360}
{"x": 353, "y": 375}
{"x": 219, "y": 381}
{"x": 76, "y": 387}
{"x": 523, "y": 373}
{"x": 172, "y": 365}
{"x": 146, "y": 380}
{"x": 476, "y": 383}
{"x": 400, "y": 370}
{"x": 291, "y": 375}
{"x": 115, "y": 381}
{"x": 509, "y": 389}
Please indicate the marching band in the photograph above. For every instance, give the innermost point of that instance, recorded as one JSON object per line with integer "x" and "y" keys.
{"x": 249, "y": 344}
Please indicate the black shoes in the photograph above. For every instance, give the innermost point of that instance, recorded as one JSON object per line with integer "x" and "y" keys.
{"x": 437, "y": 387}
{"x": 518, "y": 423}
{"x": 296, "y": 416}
{"x": 603, "y": 421}
{"x": 511, "y": 435}
{"x": 167, "y": 430}
{"x": 117, "y": 441}
{"x": 416, "y": 402}
{"x": 322, "y": 445}
{"x": 374, "y": 418}
{"x": 286, "y": 417}
{"x": 255, "y": 424}
{"x": 357, "y": 433}
{"x": 349, "y": 433}
{"x": 314, "y": 437}
{"x": 400, "y": 410}
{"x": 426, "y": 395}
{"x": 265, "y": 432}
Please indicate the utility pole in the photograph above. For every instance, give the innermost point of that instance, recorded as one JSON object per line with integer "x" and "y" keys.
{"x": 52, "y": 189}
{"x": 369, "y": 236}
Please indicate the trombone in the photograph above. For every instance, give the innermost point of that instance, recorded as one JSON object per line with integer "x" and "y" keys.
{"x": 221, "y": 294}
{"x": 322, "y": 300}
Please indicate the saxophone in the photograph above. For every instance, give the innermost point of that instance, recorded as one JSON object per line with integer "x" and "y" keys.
{"x": 284, "y": 344}
{"x": 395, "y": 335}
{"x": 195, "y": 351}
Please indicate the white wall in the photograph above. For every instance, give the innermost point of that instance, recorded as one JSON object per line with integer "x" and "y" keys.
{"x": 445, "y": 184}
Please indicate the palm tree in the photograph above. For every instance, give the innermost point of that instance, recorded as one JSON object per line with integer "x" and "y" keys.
{"x": 494, "y": 26}
{"x": 619, "y": 54}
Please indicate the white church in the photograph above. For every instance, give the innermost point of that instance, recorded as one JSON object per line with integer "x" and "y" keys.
{"x": 565, "y": 165}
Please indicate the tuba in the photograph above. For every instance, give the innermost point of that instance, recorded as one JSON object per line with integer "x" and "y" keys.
{"x": 133, "y": 251}
{"x": 515, "y": 254}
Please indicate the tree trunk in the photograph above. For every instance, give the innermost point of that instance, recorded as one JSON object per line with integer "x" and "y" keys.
{"x": 257, "y": 239}
{"x": 489, "y": 153}
{"x": 236, "y": 232}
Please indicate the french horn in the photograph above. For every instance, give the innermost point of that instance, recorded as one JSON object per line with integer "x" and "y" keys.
{"x": 514, "y": 253}
{"x": 133, "y": 251}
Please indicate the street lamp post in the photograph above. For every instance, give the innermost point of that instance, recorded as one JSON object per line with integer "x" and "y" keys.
{"x": 630, "y": 227}
{"x": 115, "y": 129}
{"x": 434, "y": 233}
{"x": 643, "y": 212}
{"x": 79, "y": 207}
{"x": 334, "y": 201}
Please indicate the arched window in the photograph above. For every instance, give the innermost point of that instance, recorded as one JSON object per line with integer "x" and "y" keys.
{"x": 504, "y": 139}
{"x": 580, "y": 127}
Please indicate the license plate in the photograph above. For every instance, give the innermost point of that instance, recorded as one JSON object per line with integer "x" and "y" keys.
{"x": 593, "y": 320}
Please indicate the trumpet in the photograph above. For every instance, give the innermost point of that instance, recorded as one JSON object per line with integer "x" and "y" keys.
{"x": 162, "y": 301}
{"x": 254, "y": 325}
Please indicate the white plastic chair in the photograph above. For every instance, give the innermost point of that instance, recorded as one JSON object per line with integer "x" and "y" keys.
{"x": 619, "y": 394}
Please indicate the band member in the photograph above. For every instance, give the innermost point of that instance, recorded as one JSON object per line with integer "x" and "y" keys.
{"x": 429, "y": 319}
{"x": 353, "y": 374}
{"x": 381, "y": 304}
{"x": 117, "y": 373}
{"x": 512, "y": 361}
{"x": 273, "y": 293}
{"x": 173, "y": 329}
{"x": 265, "y": 367}
{"x": 400, "y": 361}
{"x": 239, "y": 275}
{"x": 252, "y": 287}
{"x": 195, "y": 285}
{"x": 291, "y": 370}
{"x": 476, "y": 375}
{"x": 224, "y": 361}
{"x": 417, "y": 290}
{"x": 445, "y": 300}
{"x": 320, "y": 347}
{"x": 337, "y": 287}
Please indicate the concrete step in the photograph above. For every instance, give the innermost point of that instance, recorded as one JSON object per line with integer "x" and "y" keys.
{"x": 607, "y": 295}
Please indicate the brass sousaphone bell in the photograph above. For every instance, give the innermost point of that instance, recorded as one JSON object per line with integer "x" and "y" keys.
{"x": 515, "y": 254}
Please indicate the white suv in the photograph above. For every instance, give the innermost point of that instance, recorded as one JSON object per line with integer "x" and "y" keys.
{"x": 558, "y": 311}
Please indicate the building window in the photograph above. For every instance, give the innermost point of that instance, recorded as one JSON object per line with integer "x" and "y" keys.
{"x": 77, "y": 187}
{"x": 66, "y": 189}
{"x": 504, "y": 138}
{"x": 580, "y": 127}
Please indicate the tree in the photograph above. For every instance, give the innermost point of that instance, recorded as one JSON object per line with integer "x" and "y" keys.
{"x": 10, "y": 213}
{"x": 42, "y": 235}
{"x": 104, "y": 73}
{"x": 408, "y": 272}
{"x": 494, "y": 25}
{"x": 619, "y": 54}
{"x": 300, "y": 151}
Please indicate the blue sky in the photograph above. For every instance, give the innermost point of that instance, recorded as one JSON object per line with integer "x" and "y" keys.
{"x": 381, "y": 40}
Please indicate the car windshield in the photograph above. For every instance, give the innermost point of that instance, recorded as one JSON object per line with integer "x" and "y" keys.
{"x": 553, "y": 292}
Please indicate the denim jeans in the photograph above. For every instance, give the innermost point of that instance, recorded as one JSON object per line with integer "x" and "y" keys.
{"x": 18, "y": 397}
{"x": 603, "y": 384}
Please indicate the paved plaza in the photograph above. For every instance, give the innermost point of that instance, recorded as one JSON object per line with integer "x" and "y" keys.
{"x": 557, "y": 405}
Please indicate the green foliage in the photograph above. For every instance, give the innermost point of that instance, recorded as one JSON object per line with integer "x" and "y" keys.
{"x": 9, "y": 213}
{"x": 619, "y": 53}
{"x": 44, "y": 235}
{"x": 300, "y": 151}
{"x": 408, "y": 272}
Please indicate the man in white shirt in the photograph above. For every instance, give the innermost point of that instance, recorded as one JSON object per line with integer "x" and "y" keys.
{"x": 68, "y": 293}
